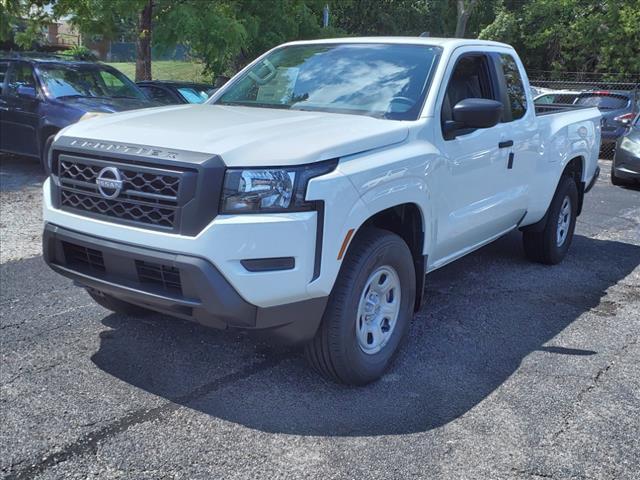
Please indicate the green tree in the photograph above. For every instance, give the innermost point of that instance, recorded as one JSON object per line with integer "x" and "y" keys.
{"x": 571, "y": 35}
{"x": 23, "y": 21}
{"x": 224, "y": 34}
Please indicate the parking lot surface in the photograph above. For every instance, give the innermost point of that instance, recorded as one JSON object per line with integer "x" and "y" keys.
{"x": 511, "y": 370}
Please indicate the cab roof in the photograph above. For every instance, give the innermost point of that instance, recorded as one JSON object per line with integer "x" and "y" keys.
{"x": 43, "y": 58}
{"x": 408, "y": 40}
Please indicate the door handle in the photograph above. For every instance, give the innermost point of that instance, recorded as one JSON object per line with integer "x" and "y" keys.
{"x": 505, "y": 144}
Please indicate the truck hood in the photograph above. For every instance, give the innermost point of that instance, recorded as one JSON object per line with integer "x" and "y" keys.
{"x": 245, "y": 136}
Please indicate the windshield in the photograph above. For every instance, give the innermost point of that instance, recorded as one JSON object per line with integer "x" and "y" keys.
{"x": 195, "y": 94}
{"x": 82, "y": 81}
{"x": 380, "y": 80}
{"x": 603, "y": 101}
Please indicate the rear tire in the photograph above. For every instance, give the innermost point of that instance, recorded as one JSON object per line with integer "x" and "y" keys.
{"x": 550, "y": 245}
{"x": 116, "y": 305}
{"x": 369, "y": 310}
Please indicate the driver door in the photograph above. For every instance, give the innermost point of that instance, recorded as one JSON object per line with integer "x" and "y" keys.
{"x": 20, "y": 117}
{"x": 471, "y": 205}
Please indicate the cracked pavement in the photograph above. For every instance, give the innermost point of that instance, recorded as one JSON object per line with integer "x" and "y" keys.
{"x": 511, "y": 370}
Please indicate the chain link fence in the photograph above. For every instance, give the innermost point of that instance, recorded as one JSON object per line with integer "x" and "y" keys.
{"x": 616, "y": 95}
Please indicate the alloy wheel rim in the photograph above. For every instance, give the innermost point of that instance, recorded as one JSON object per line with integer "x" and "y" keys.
{"x": 378, "y": 310}
{"x": 564, "y": 221}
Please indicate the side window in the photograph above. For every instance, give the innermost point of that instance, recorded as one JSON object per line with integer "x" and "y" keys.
{"x": 515, "y": 88}
{"x": 157, "y": 94}
{"x": 113, "y": 83}
{"x": 4, "y": 66}
{"x": 469, "y": 79}
{"x": 21, "y": 75}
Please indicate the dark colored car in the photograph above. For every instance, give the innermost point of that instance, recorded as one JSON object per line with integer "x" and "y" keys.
{"x": 618, "y": 108}
{"x": 169, "y": 92}
{"x": 625, "y": 168}
{"x": 41, "y": 95}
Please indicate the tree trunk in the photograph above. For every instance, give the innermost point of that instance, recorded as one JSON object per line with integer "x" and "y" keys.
{"x": 143, "y": 43}
{"x": 465, "y": 7}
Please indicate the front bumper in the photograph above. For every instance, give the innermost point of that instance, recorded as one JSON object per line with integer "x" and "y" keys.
{"x": 225, "y": 243}
{"x": 626, "y": 164}
{"x": 179, "y": 285}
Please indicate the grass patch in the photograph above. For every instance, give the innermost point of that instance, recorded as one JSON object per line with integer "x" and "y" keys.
{"x": 167, "y": 70}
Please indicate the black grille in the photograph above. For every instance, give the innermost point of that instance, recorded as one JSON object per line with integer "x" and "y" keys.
{"x": 134, "y": 181}
{"x": 159, "y": 275}
{"x": 134, "y": 211}
{"x": 149, "y": 196}
{"x": 83, "y": 257}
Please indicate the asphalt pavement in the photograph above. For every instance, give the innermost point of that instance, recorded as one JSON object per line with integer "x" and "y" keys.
{"x": 511, "y": 370}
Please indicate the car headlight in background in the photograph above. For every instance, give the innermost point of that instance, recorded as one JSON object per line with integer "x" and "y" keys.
{"x": 256, "y": 190}
{"x": 630, "y": 146}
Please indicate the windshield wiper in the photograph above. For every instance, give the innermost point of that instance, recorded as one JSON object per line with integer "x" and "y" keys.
{"x": 75, "y": 95}
{"x": 78, "y": 95}
{"x": 280, "y": 106}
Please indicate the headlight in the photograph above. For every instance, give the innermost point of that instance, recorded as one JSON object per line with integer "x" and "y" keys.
{"x": 630, "y": 146}
{"x": 255, "y": 190}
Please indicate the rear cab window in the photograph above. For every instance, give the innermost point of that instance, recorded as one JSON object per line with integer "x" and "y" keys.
{"x": 517, "y": 97}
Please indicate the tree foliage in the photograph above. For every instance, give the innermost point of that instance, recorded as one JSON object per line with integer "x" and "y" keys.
{"x": 568, "y": 35}
{"x": 22, "y": 21}
{"x": 571, "y": 35}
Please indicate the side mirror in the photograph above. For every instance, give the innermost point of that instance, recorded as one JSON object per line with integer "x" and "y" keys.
{"x": 474, "y": 113}
{"x": 28, "y": 92}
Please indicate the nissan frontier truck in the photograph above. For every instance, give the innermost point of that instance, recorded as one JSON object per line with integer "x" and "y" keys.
{"x": 311, "y": 196}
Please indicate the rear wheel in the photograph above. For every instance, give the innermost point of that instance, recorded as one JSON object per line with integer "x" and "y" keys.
{"x": 369, "y": 310}
{"x": 550, "y": 245}
{"x": 116, "y": 305}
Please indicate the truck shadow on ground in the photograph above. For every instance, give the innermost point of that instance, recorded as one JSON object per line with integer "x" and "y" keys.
{"x": 17, "y": 172}
{"x": 484, "y": 315}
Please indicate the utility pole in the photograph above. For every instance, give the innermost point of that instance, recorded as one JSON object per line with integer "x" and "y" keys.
{"x": 325, "y": 16}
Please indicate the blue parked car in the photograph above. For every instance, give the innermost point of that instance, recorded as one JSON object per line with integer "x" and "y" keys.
{"x": 41, "y": 95}
{"x": 617, "y": 107}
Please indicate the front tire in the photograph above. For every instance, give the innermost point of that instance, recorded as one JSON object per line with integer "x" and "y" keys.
{"x": 369, "y": 310}
{"x": 550, "y": 245}
{"x": 44, "y": 153}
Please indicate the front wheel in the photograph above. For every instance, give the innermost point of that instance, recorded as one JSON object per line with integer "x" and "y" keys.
{"x": 369, "y": 310}
{"x": 44, "y": 153}
{"x": 550, "y": 245}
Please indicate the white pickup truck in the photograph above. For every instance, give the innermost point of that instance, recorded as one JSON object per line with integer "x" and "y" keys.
{"x": 311, "y": 195}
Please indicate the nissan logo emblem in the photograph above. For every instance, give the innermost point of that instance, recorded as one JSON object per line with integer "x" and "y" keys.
{"x": 109, "y": 182}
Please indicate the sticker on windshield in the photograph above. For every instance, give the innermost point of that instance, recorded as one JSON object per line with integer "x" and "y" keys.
{"x": 280, "y": 88}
